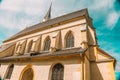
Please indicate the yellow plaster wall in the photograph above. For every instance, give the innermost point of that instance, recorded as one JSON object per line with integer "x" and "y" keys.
{"x": 87, "y": 69}
{"x": 93, "y": 53}
{"x": 102, "y": 71}
{"x": 29, "y": 39}
{"x": 74, "y": 27}
{"x": 73, "y": 72}
{"x": 102, "y": 56}
{"x": 91, "y": 36}
{"x": 3, "y": 70}
{"x": 42, "y": 69}
{"x": 17, "y": 71}
{"x": 56, "y": 28}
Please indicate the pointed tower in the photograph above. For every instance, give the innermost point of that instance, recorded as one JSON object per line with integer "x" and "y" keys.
{"x": 48, "y": 14}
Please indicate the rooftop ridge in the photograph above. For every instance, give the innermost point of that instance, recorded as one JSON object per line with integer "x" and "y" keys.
{"x": 58, "y": 19}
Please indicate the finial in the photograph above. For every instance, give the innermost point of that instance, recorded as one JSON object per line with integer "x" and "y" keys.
{"x": 48, "y": 15}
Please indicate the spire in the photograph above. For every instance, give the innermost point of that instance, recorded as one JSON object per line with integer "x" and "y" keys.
{"x": 48, "y": 15}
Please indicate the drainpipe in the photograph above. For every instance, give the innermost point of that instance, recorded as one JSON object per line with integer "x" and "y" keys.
{"x": 82, "y": 66}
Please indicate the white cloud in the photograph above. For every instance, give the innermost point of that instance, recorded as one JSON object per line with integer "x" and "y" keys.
{"x": 101, "y": 4}
{"x": 112, "y": 19}
{"x": 118, "y": 66}
{"x": 37, "y": 9}
{"x": 94, "y": 5}
{"x": 17, "y": 14}
{"x": 27, "y": 6}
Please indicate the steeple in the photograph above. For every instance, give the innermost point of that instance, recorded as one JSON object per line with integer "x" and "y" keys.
{"x": 48, "y": 14}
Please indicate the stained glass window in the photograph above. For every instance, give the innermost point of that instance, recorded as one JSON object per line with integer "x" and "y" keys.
{"x": 70, "y": 40}
{"x": 57, "y": 72}
{"x": 47, "y": 44}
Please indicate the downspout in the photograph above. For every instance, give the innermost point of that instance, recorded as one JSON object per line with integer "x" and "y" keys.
{"x": 82, "y": 66}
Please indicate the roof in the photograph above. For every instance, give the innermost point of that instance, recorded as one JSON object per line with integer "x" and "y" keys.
{"x": 64, "y": 52}
{"x": 4, "y": 47}
{"x": 105, "y": 53}
{"x": 39, "y": 26}
{"x": 108, "y": 55}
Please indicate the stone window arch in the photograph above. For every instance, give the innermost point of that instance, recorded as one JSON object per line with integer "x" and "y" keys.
{"x": 57, "y": 72}
{"x": 47, "y": 44}
{"x": 30, "y": 46}
{"x": 69, "y": 40}
{"x": 9, "y": 72}
{"x": 27, "y": 74}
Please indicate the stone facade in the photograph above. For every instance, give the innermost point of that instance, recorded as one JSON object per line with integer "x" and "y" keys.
{"x": 84, "y": 61}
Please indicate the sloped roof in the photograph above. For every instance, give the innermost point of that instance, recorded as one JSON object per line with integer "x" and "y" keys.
{"x": 64, "y": 52}
{"x": 4, "y": 47}
{"x": 48, "y": 23}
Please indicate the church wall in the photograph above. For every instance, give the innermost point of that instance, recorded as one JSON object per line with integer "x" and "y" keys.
{"x": 77, "y": 35}
{"x": 93, "y": 53}
{"x": 17, "y": 71}
{"x": 102, "y": 71}
{"x": 87, "y": 68}
{"x": 91, "y": 36}
{"x": 34, "y": 39}
{"x": 74, "y": 27}
{"x": 73, "y": 72}
{"x": 56, "y": 28}
{"x": 42, "y": 69}
{"x": 102, "y": 56}
{"x": 95, "y": 65}
{"x": 3, "y": 70}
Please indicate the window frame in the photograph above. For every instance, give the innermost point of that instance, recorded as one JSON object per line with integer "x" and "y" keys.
{"x": 9, "y": 71}
{"x": 57, "y": 72}
{"x": 47, "y": 44}
{"x": 69, "y": 40}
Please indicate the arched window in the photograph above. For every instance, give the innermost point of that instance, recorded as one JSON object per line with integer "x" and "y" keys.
{"x": 47, "y": 44}
{"x": 10, "y": 70}
{"x": 57, "y": 72}
{"x": 27, "y": 75}
{"x": 70, "y": 40}
{"x": 30, "y": 46}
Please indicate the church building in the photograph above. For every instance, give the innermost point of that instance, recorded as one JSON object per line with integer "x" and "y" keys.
{"x": 62, "y": 48}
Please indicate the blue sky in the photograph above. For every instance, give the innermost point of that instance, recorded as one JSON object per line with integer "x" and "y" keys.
{"x": 16, "y": 15}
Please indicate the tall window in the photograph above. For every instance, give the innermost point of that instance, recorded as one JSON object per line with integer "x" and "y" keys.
{"x": 47, "y": 44}
{"x": 70, "y": 40}
{"x": 10, "y": 70}
{"x": 30, "y": 46}
{"x": 27, "y": 75}
{"x": 57, "y": 72}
